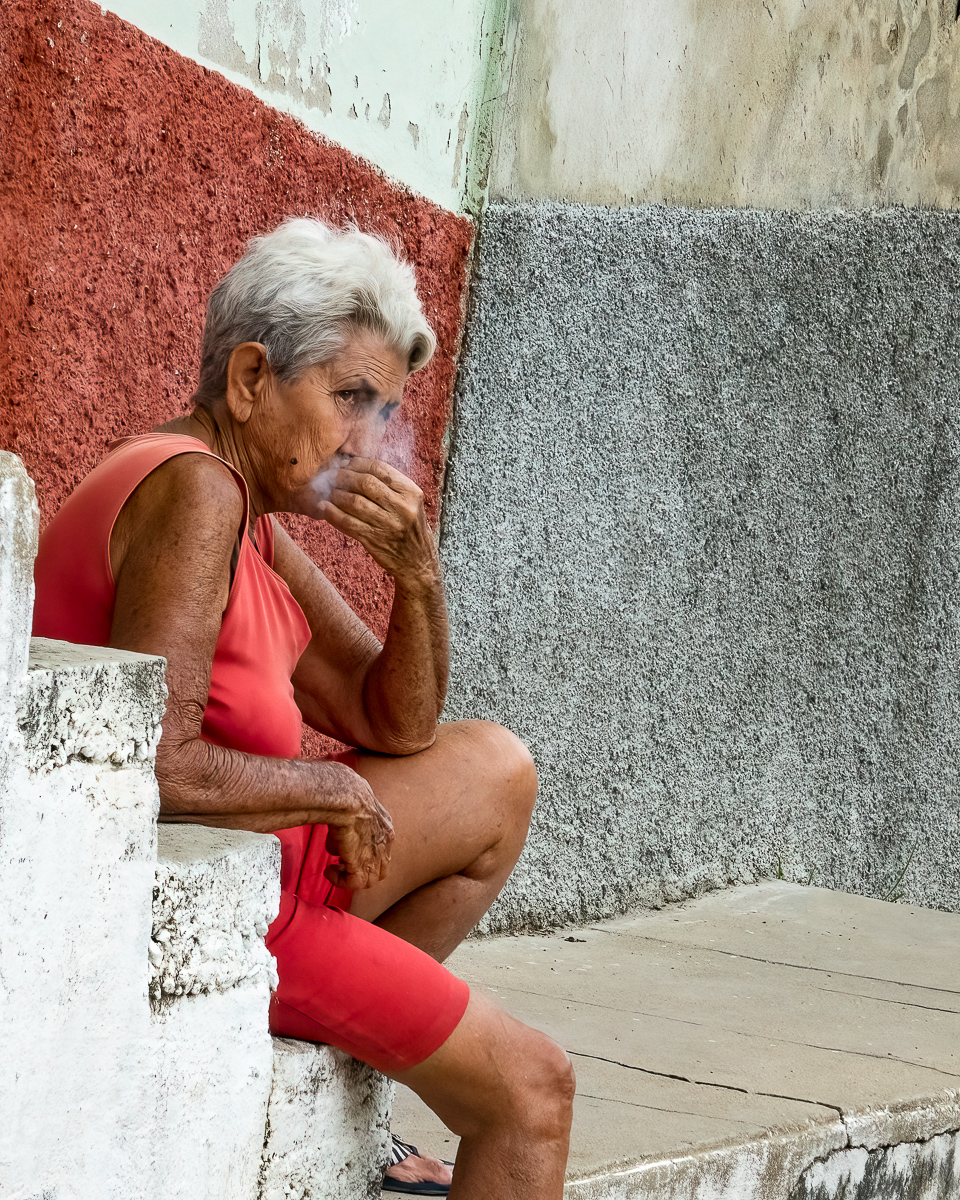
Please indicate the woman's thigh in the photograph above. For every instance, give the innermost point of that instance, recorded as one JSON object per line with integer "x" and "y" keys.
{"x": 461, "y": 807}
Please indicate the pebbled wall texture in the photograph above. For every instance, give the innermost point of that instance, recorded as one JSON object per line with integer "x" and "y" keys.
{"x": 700, "y": 536}
{"x": 130, "y": 181}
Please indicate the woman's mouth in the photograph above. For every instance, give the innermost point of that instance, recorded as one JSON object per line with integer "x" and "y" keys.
{"x": 322, "y": 483}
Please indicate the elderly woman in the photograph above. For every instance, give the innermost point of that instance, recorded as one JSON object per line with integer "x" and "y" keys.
{"x": 391, "y": 852}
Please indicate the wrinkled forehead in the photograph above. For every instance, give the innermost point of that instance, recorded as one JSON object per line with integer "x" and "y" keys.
{"x": 366, "y": 363}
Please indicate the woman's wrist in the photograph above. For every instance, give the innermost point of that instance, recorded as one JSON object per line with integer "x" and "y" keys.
{"x": 421, "y": 581}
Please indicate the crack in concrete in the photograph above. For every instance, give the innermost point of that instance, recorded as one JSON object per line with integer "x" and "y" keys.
{"x": 739, "y": 1032}
{"x": 886, "y": 1000}
{"x": 680, "y": 1112}
{"x": 775, "y": 962}
{"x": 727, "y": 1087}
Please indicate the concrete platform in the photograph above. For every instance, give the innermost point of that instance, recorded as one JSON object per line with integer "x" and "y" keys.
{"x": 765, "y": 1042}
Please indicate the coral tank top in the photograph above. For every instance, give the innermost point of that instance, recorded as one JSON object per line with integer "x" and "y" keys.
{"x": 263, "y": 633}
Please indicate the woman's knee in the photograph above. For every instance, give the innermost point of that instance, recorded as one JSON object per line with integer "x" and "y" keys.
{"x": 546, "y": 1090}
{"x": 495, "y": 1072}
{"x": 505, "y": 762}
{"x": 538, "y": 1087}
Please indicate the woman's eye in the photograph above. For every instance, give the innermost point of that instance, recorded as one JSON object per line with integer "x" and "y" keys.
{"x": 348, "y": 402}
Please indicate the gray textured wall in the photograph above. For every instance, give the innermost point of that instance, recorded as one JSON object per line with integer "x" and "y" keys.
{"x": 701, "y": 542}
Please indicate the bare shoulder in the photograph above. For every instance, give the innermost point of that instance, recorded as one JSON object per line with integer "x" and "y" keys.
{"x": 196, "y": 484}
{"x": 192, "y": 500}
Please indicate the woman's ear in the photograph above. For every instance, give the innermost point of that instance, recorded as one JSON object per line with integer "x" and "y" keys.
{"x": 247, "y": 373}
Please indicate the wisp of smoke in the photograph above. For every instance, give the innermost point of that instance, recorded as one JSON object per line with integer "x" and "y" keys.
{"x": 322, "y": 484}
{"x": 397, "y": 447}
{"x": 393, "y": 445}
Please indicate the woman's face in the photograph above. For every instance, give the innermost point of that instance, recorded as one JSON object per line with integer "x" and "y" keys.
{"x": 300, "y": 433}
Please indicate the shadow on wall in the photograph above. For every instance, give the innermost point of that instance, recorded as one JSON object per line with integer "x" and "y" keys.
{"x": 131, "y": 179}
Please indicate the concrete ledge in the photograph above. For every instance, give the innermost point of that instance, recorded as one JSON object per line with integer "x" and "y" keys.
{"x": 327, "y": 1125}
{"x": 216, "y": 892}
{"x": 763, "y": 1169}
{"x": 913, "y": 1171}
{"x": 89, "y": 704}
{"x": 819, "y": 1162}
{"x": 914, "y": 1120}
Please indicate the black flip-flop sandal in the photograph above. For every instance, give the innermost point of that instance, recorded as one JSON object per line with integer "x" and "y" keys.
{"x": 399, "y": 1150}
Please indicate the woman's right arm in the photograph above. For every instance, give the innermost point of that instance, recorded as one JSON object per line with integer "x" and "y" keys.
{"x": 171, "y": 551}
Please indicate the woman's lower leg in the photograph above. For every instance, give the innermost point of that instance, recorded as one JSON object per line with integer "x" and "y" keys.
{"x": 507, "y": 1090}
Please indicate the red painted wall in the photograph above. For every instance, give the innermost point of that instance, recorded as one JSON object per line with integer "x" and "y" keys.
{"x": 130, "y": 179}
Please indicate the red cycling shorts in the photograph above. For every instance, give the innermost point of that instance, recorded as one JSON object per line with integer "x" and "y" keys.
{"x": 346, "y": 982}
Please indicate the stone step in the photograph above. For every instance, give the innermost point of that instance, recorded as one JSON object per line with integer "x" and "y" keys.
{"x": 257, "y": 1117}
{"x": 327, "y": 1125}
{"x": 78, "y": 806}
{"x": 215, "y": 892}
{"x": 770, "y": 1042}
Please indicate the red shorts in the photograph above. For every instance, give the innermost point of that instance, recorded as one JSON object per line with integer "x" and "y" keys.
{"x": 345, "y": 981}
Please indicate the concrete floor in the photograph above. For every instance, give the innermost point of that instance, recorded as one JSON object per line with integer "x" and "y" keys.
{"x": 772, "y": 1020}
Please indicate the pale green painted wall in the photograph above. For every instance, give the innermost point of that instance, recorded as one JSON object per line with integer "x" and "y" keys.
{"x": 399, "y": 84}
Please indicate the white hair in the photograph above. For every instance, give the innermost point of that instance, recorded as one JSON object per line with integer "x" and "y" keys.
{"x": 301, "y": 290}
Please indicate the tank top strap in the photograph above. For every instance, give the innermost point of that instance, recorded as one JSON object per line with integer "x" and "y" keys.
{"x": 131, "y": 459}
{"x": 75, "y": 587}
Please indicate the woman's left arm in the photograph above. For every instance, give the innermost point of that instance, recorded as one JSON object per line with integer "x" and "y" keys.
{"x": 384, "y": 698}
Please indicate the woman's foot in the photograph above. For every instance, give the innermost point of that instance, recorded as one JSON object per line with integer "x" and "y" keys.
{"x": 408, "y": 1168}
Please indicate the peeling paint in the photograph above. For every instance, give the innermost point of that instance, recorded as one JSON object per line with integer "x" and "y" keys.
{"x": 461, "y": 139}
{"x": 276, "y": 46}
{"x": 335, "y": 64}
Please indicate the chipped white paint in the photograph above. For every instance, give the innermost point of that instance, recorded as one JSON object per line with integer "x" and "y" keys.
{"x": 77, "y": 706}
{"x": 216, "y": 893}
{"x": 104, "y": 1096}
{"x": 398, "y": 86}
{"x": 927, "y": 1170}
{"x": 778, "y": 104}
{"x": 328, "y": 1125}
{"x": 181, "y": 1089}
{"x": 77, "y": 856}
{"x": 19, "y": 524}
{"x": 213, "y": 1061}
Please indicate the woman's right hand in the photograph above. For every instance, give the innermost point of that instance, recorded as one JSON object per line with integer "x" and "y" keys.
{"x": 359, "y": 831}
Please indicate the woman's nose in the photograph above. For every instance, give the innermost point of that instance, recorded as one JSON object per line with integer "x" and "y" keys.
{"x": 364, "y": 439}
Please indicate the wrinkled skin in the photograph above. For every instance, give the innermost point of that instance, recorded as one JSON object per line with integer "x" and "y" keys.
{"x": 431, "y": 823}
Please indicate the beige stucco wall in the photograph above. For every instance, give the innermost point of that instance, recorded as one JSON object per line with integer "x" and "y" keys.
{"x": 733, "y": 102}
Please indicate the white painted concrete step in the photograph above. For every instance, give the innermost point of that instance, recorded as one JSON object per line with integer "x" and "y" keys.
{"x": 772, "y": 1042}
{"x": 327, "y": 1125}
{"x": 254, "y": 1117}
